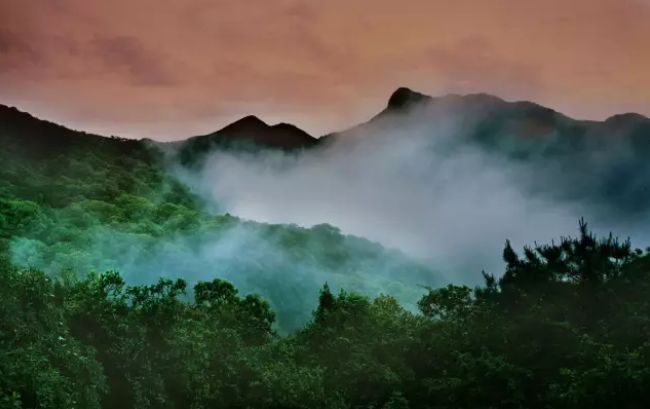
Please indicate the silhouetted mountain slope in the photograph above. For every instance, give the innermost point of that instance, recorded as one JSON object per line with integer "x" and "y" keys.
{"x": 249, "y": 132}
{"x": 39, "y": 138}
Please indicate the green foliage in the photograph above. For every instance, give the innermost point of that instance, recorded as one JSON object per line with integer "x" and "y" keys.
{"x": 565, "y": 342}
{"x": 448, "y": 302}
{"x": 41, "y": 363}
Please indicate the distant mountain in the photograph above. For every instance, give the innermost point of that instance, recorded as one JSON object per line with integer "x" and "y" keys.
{"x": 490, "y": 119}
{"x": 604, "y": 162}
{"x": 249, "y": 132}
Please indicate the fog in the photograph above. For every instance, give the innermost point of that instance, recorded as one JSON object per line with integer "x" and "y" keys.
{"x": 418, "y": 188}
{"x": 287, "y": 265}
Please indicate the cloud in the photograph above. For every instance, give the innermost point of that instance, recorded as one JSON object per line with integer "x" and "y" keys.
{"x": 143, "y": 66}
{"x": 16, "y": 52}
{"x": 410, "y": 189}
{"x": 418, "y": 187}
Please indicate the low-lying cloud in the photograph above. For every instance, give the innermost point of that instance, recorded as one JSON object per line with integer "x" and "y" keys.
{"x": 417, "y": 190}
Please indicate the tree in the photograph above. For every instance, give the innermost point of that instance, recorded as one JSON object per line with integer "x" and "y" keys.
{"x": 451, "y": 302}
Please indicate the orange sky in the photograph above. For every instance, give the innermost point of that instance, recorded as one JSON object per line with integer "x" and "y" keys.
{"x": 167, "y": 69}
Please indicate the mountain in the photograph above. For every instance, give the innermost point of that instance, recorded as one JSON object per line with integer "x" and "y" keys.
{"x": 404, "y": 98}
{"x": 40, "y": 138}
{"x": 601, "y": 162}
{"x": 490, "y": 118}
{"x": 249, "y": 132}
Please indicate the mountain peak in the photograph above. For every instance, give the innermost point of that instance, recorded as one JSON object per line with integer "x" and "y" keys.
{"x": 404, "y": 97}
{"x": 249, "y": 132}
{"x": 248, "y": 122}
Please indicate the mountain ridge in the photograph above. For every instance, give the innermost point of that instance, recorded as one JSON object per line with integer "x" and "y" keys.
{"x": 524, "y": 118}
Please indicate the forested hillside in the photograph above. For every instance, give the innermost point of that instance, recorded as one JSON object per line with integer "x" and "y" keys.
{"x": 76, "y": 202}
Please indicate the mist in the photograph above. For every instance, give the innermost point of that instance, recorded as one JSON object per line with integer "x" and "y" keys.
{"x": 287, "y": 265}
{"x": 414, "y": 186}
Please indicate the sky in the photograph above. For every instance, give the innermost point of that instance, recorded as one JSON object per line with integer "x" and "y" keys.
{"x": 169, "y": 69}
